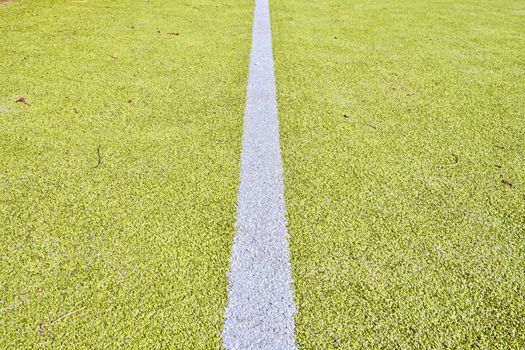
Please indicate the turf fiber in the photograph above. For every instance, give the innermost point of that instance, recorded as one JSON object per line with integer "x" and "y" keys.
{"x": 403, "y": 128}
{"x": 119, "y": 173}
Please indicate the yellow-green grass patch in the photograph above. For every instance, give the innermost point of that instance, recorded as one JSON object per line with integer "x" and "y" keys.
{"x": 119, "y": 170}
{"x": 403, "y": 128}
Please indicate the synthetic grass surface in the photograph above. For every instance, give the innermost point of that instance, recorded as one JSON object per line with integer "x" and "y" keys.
{"x": 407, "y": 216}
{"x": 118, "y": 181}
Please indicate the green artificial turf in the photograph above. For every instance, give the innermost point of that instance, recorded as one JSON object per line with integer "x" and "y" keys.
{"x": 118, "y": 179}
{"x": 407, "y": 216}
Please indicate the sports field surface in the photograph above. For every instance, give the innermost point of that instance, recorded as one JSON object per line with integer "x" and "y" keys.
{"x": 118, "y": 182}
{"x": 402, "y": 136}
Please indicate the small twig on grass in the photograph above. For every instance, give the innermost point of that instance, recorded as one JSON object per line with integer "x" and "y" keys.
{"x": 67, "y": 315}
{"x": 360, "y": 121}
{"x": 370, "y": 125}
{"x": 99, "y": 155}
{"x": 455, "y": 163}
{"x": 508, "y": 183}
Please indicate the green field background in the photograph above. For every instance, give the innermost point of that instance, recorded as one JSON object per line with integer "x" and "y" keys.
{"x": 402, "y": 133}
{"x": 403, "y": 138}
{"x": 136, "y": 247}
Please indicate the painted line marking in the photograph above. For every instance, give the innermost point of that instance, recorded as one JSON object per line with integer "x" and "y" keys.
{"x": 260, "y": 311}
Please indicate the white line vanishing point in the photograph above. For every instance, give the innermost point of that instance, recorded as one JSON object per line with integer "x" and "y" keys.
{"x": 260, "y": 311}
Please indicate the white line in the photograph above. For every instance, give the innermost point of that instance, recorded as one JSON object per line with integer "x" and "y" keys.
{"x": 260, "y": 311}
